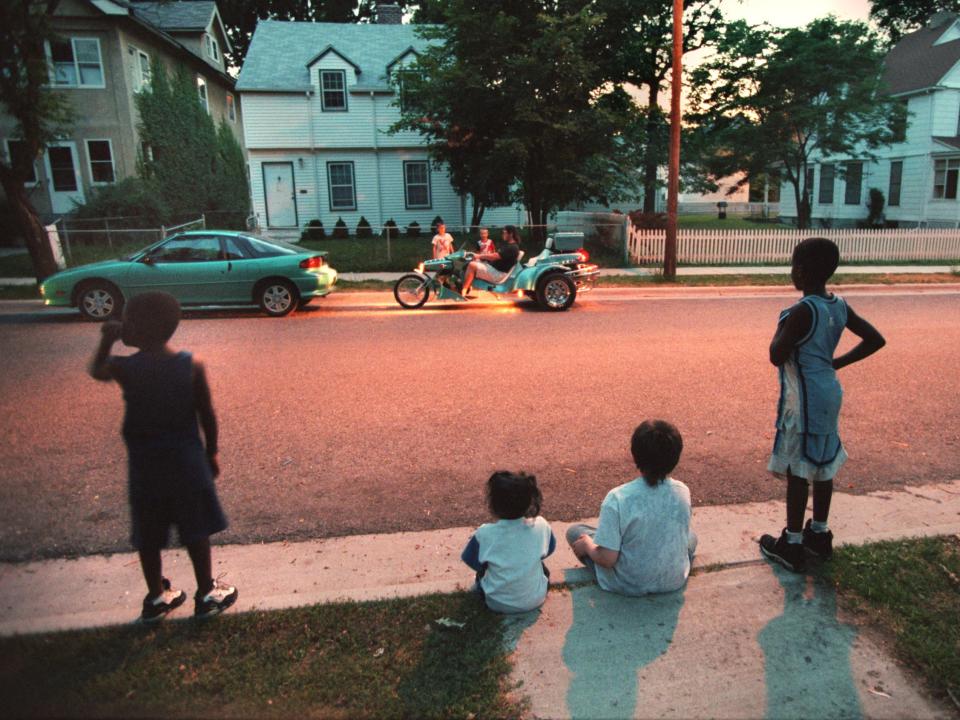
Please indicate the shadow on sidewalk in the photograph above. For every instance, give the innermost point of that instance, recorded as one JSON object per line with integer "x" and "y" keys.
{"x": 610, "y": 639}
{"x": 806, "y": 654}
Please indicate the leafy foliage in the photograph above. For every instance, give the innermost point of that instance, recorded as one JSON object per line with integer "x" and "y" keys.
{"x": 195, "y": 166}
{"x": 340, "y": 231}
{"x": 363, "y": 229}
{"x": 390, "y": 230}
{"x": 773, "y": 96}
{"x": 314, "y": 230}
{"x": 531, "y": 121}
{"x": 899, "y": 17}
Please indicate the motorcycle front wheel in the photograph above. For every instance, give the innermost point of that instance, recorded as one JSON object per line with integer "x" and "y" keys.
{"x": 412, "y": 291}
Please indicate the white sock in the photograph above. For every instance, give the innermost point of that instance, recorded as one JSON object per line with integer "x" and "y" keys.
{"x": 819, "y": 527}
{"x": 795, "y": 538}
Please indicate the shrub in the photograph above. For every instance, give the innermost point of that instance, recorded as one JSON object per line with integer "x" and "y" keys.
{"x": 363, "y": 228}
{"x": 413, "y": 230}
{"x": 875, "y": 217}
{"x": 340, "y": 231}
{"x": 648, "y": 220}
{"x": 390, "y": 230}
{"x": 128, "y": 198}
{"x": 433, "y": 226}
{"x": 314, "y": 231}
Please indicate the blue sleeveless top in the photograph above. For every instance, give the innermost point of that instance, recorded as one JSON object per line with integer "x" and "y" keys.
{"x": 160, "y": 408}
{"x": 818, "y": 388}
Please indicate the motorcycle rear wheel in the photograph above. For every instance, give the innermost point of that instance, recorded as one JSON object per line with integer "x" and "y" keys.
{"x": 412, "y": 291}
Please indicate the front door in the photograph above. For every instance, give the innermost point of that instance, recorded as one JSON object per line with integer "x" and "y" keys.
{"x": 279, "y": 192}
{"x": 63, "y": 173}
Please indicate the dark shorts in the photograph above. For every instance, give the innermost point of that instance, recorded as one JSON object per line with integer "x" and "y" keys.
{"x": 172, "y": 487}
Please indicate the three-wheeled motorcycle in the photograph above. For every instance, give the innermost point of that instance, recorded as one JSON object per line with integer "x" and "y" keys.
{"x": 553, "y": 278}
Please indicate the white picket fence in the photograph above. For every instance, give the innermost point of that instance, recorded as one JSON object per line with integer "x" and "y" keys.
{"x": 734, "y": 247}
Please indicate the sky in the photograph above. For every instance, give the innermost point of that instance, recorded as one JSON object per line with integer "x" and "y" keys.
{"x": 793, "y": 13}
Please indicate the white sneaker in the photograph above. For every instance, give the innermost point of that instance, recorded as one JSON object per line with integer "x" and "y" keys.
{"x": 216, "y": 601}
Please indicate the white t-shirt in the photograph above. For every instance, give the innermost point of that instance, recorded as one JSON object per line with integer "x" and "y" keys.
{"x": 650, "y": 527}
{"x": 513, "y": 551}
{"x": 442, "y": 245}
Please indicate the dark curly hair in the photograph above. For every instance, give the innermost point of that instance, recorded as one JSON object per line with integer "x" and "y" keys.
{"x": 818, "y": 257}
{"x": 656, "y": 446}
{"x": 513, "y": 495}
{"x": 150, "y": 318}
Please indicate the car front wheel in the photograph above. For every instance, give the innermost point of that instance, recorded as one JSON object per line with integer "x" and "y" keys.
{"x": 100, "y": 301}
{"x": 277, "y": 298}
{"x": 556, "y": 292}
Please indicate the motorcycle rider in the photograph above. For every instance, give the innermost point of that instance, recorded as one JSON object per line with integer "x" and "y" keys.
{"x": 494, "y": 266}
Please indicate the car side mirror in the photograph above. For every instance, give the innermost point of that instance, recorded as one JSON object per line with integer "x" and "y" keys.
{"x": 147, "y": 260}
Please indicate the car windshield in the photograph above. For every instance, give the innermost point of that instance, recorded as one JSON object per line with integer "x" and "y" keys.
{"x": 272, "y": 248}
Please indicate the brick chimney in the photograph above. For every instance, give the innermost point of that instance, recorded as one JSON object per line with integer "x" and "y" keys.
{"x": 389, "y": 14}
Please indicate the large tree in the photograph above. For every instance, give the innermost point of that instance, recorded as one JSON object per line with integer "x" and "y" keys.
{"x": 40, "y": 114}
{"x": 240, "y": 17}
{"x": 777, "y": 98}
{"x": 509, "y": 97}
{"x": 899, "y": 17}
{"x": 635, "y": 41}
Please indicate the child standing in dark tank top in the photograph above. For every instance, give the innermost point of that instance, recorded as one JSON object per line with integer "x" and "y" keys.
{"x": 171, "y": 469}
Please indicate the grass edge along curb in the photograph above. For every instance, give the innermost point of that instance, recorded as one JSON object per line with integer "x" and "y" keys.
{"x": 910, "y": 590}
{"x": 384, "y": 658}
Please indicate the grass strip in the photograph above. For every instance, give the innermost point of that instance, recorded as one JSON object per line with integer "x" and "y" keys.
{"x": 385, "y": 659}
{"x": 911, "y": 589}
{"x": 774, "y": 280}
{"x": 19, "y": 292}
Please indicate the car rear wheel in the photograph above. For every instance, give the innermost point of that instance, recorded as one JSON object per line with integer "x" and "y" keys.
{"x": 412, "y": 291}
{"x": 556, "y": 292}
{"x": 277, "y": 298}
{"x": 100, "y": 301}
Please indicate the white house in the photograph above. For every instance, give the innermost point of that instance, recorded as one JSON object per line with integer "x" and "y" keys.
{"x": 919, "y": 175}
{"x": 318, "y": 103}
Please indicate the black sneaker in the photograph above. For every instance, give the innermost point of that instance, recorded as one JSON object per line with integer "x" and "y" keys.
{"x": 214, "y": 602}
{"x": 156, "y": 609}
{"x": 818, "y": 544}
{"x": 790, "y": 555}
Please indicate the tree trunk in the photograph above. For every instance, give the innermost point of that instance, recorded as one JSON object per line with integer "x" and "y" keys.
{"x": 477, "y": 214}
{"x": 802, "y": 196}
{"x": 651, "y": 164}
{"x": 34, "y": 234}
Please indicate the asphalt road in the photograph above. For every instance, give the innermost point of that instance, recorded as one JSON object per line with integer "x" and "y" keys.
{"x": 355, "y": 416}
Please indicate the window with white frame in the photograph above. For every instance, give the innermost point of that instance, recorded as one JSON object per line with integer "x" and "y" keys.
{"x": 340, "y": 180}
{"x": 827, "y": 174}
{"x": 416, "y": 184}
{"x": 100, "y": 157}
{"x": 15, "y": 152}
{"x": 333, "y": 90}
{"x": 202, "y": 92}
{"x": 853, "y": 183}
{"x": 144, "y": 70}
{"x": 407, "y": 80}
{"x": 76, "y": 62}
{"x": 896, "y": 180}
{"x": 231, "y": 108}
{"x": 945, "y": 173}
{"x": 212, "y": 47}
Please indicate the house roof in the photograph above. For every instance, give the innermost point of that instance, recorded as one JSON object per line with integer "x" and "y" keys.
{"x": 176, "y": 15}
{"x": 281, "y": 50}
{"x": 953, "y": 142}
{"x": 916, "y": 63}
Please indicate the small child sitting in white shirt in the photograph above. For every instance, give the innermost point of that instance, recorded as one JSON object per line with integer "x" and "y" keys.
{"x": 508, "y": 555}
{"x": 442, "y": 242}
{"x": 643, "y": 543}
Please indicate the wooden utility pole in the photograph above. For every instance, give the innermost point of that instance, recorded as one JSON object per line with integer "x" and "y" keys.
{"x": 673, "y": 171}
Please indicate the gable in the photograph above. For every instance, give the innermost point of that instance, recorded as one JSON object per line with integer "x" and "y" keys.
{"x": 403, "y": 59}
{"x": 951, "y": 33}
{"x": 328, "y": 51}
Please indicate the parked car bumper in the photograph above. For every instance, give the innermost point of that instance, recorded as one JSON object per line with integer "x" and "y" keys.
{"x": 318, "y": 283}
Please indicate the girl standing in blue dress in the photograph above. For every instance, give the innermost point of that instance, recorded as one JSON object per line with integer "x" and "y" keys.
{"x": 171, "y": 469}
{"x": 807, "y": 448}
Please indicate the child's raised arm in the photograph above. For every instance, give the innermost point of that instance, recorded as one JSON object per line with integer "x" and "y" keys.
{"x": 100, "y": 366}
{"x": 870, "y": 340}
{"x": 790, "y": 331}
{"x": 208, "y": 420}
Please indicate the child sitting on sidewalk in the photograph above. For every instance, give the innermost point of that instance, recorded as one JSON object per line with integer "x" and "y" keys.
{"x": 508, "y": 554}
{"x": 807, "y": 447}
{"x": 171, "y": 472}
{"x": 644, "y": 543}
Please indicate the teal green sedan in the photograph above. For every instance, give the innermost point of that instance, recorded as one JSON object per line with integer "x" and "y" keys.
{"x": 204, "y": 267}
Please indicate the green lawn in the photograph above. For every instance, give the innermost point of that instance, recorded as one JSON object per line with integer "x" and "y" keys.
{"x": 911, "y": 590}
{"x": 386, "y": 659}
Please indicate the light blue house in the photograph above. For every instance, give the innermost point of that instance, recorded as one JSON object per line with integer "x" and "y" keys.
{"x": 918, "y": 175}
{"x": 318, "y": 101}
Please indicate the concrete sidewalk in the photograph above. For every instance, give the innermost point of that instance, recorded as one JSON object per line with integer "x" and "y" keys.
{"x": 742, "y": 639}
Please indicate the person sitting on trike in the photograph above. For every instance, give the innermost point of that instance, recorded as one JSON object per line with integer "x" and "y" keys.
{"x": 494, "y": 266}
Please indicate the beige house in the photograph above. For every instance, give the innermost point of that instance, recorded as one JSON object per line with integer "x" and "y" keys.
{"x": 102, "y": 59}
